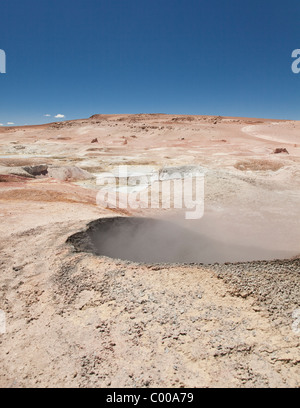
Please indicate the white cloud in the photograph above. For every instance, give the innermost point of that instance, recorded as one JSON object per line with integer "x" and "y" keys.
{"x": 10, "y": 123}
{"x": 1, "y": 124}
{"x": 59, "y": 116}
{"x": 47, "y": 114}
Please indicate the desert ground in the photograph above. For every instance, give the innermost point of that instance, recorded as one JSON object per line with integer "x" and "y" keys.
{"x": 75, "y": 318}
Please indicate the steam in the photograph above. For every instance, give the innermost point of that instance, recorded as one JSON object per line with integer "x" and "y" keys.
{"x": 176, "y": 240}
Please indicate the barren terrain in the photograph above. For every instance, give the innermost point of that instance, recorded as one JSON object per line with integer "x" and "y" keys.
{"x": 76, "y": 319}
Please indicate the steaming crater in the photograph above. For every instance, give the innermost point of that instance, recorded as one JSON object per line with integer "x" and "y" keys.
{"x": 148, "y": 240}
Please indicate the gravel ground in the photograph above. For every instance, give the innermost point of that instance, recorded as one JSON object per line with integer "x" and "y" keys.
{"x": 74, "y": 319}
{"x": 274, "y": 284}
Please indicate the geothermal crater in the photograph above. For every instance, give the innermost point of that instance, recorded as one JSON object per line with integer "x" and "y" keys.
{"x": 150, "y": 240}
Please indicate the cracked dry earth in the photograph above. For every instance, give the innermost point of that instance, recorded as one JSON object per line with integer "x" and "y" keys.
{"x": 75, "y": 319}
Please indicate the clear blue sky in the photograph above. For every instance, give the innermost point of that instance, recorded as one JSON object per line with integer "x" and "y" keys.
{"x": 81, "y": 57}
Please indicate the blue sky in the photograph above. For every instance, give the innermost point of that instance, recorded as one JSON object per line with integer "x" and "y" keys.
{"x": 210, "y": 57}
